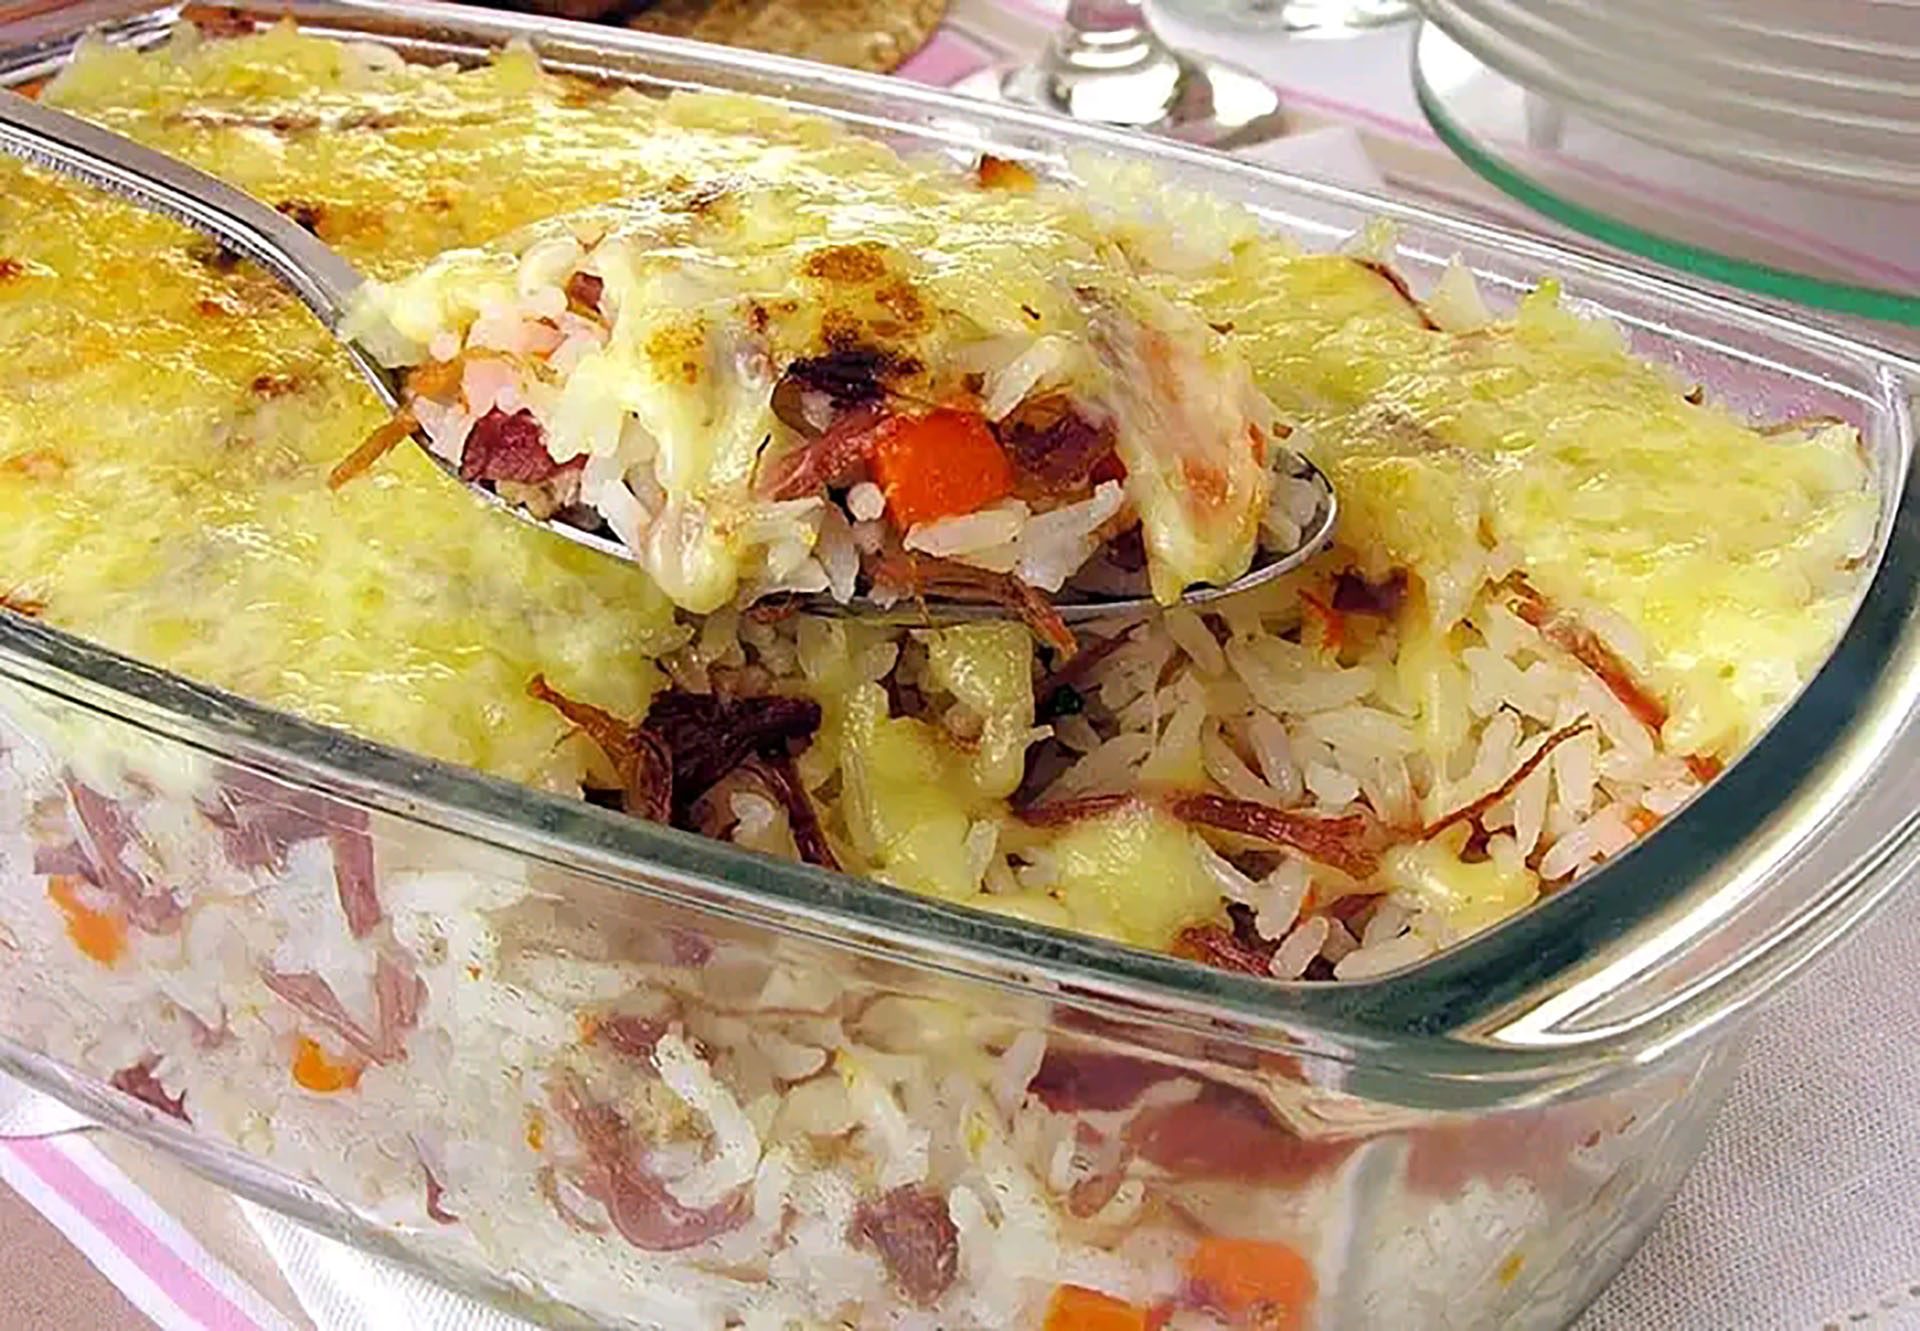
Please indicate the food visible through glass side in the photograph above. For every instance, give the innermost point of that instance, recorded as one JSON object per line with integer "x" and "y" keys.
{"x": 774, "y": 358}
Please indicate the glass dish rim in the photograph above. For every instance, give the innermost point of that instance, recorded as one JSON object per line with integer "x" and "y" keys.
{"x": 1440, "y": 1020}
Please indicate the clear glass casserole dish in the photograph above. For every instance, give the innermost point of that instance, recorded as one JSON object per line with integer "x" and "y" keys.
{"x": 1477, "y": 1140}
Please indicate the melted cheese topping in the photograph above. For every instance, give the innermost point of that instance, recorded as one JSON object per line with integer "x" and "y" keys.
{"x": 714, "y": 284}
{"x": 167, "y": 420}
{"x": 1718, "y": 562}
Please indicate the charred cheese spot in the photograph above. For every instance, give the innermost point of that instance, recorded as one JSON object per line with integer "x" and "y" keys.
{"x": 901, "y": 300}
{"x": 854, "y": 264}
{"x": 678, "y": 351}
{"x": 303, "y": 211}
{"x": 843, "y": 331}
{"x": 275, "y": 385}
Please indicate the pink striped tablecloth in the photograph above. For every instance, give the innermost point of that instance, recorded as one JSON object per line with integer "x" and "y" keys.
{"x": 1356, "y": 121}
{"x": 163, "y": 1270}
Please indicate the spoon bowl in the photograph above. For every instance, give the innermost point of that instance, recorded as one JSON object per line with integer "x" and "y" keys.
{"x": 328, "y": 285}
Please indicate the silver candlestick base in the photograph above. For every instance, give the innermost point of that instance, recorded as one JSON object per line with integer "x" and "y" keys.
{"x": 1108, "y": 66}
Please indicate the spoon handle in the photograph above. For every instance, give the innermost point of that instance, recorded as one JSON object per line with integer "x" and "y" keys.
{"x": 59, "y": 142}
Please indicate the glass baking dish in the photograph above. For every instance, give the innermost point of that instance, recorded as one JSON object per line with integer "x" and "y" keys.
{"x": 1479, "y": 1140}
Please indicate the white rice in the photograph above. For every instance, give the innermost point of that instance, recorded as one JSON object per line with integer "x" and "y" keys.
{"x": 967, "y": 535}
{"x": 1331, "y": 787}
{"x": 1274, "y": 752}
{"x": 1109, "y": 769}
{"x": 1379, "y": 958}
{"x": 1605, "y": 833}
{"x": 1196, "y": 640}
{"x": 736, "y": 1151}
{"x": 1052, "y": 546}
{"x": 1224, "y": 767}
{"x": 1389, "y": 920}
{"x": 1279, "y": 896}
{"x": 865, "y": 502}
{"x": 1300, "y": 947}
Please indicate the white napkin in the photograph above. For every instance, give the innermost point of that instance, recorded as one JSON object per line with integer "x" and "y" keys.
{"x": 1335, "y": 154}
{"x": 343, "y": 1289}
{"x": 1804, "y": 1211}
{"x": 24, "y": 1112}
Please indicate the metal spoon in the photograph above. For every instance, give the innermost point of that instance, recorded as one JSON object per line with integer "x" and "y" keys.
{"x": 327, "y": 284}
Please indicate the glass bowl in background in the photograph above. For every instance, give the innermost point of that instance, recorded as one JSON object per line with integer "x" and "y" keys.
{"x": 1106, "y": 64}
{"x": 1825, "y": 93}
{"x": 1810, "y": 242}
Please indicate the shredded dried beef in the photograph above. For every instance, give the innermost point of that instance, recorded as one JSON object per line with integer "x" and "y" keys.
{"x": 916, "y": 1238}
{"x": 1226, "y": 1133}
{"x": 919, "y": 575}
{"x": 1225, "y": 949}
{"x": 782, "y": 781}
{"x": 584, "y": 291}
{"x": 689, "y": 741}
{"x": 708, "y": 736}
{"x": 137, "y": 1080}
{"x": 510, "y": 448}
{"x": 642, "y": 1209}
{"x": 1075, "y": 1080}
{"x": 835, "y": 457}
{"x": 1053, "y": 445}
{"x": 639, "y": 758}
